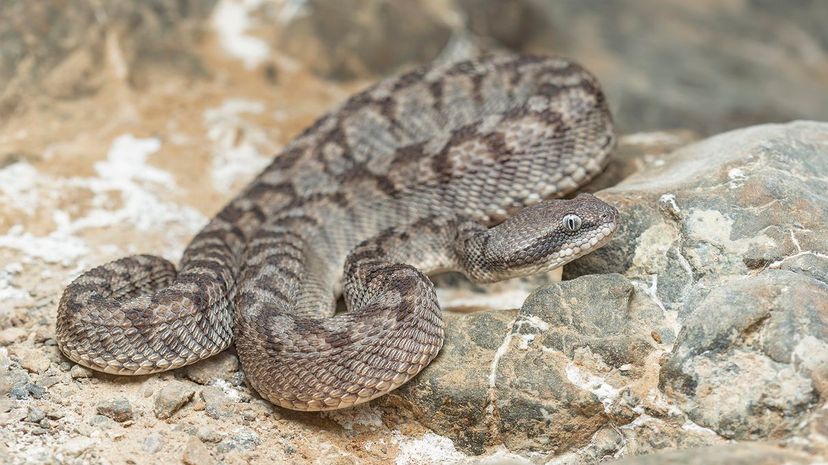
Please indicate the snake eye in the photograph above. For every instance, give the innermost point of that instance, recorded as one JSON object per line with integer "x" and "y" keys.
{"x": 572, "y": 222}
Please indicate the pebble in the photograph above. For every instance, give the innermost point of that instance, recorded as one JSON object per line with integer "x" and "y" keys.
{"x": 171, "y": 398}
{"x": 37, "y": 391}
{"x": 207, "y": 434}
{"x": 11, "y": 335}
{"x": 152, "y": 443}
{"x": 78, "y": 371}
{"x": 117, "y": 409}
{"x": 13, "y": 378}
{"x": 216, "y": 403}
{"x": 196, "y": 453}
{"x": 242, "y": 438}
{"x": 35, "y": 415}
{"x": 102, "y": 422}
{"x": 19, "y": 392}
{"x": 32, "y": 360}
{"x": 220, "y": 366}
{"x": 75, "y": 447}
{"x": 48, "y": 381}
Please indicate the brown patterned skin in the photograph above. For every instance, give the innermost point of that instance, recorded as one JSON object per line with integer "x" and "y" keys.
{"x": 414, "y": 175}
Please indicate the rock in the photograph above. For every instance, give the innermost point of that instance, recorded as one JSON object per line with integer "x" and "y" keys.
{"x": 35, "y": 415}
{"x": 216, "y": 402}
{"x": 152, "y": 443}
{"x": 729, "y": 236}
{"x": 752, "y": 370}
{"x": 11, "y": 335}
{"x": 79, "y": 371}
{"x": 14, "y": 378}
{"x": 19, "y": 392}
{"x": 220, "y": 366}
{"x": 66, "y": 62}
{"x": 37, "y": 391}
{"x": 207, "y": 434}
{"x": 729, "y": 454}
{"x": 644, "y": 94}
{"x": 32, "y": 360}
{"x": 196, "y": 453}
{"x": 241, "y": 438}
{"x": 541, "y": 380}
{"x": 350, "y": 38}
{"x": 172, "y": 397}
{"x": 77, "y": 446}
{"x": 117, "y": 409}
{"x": 101, "y": 422}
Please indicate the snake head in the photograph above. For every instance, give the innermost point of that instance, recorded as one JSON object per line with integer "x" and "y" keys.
{"x": 540, "y": 238}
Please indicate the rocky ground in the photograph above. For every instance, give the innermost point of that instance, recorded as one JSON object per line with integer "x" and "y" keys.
{"x": 702, "y": 326}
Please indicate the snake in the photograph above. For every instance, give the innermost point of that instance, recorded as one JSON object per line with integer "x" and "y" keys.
{"x": 469, "y": 166}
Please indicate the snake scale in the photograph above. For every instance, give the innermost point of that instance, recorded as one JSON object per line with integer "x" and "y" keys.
{"x": 449, "y": 167}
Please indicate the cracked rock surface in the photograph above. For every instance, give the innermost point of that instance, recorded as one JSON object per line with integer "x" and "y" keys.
{"x": 705, "y": 318}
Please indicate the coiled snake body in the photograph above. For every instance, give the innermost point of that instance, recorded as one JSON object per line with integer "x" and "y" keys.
{"x": 412, "y": 176}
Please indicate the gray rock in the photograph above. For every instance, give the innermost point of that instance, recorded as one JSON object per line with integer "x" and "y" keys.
{"x": 14, "y": 378}
{"x": 750, "y": 356}
{"x": 241, "y": 438}
{"x": 221, "y": 366}
{"x": 117, "y": 409}
{"x": 37, "y": 391}
{"x": 353, "y": 38}
{"x": 19, "y": 392}
{"x": 35, "y": 415}
{"x": 527, "y": 379}
{"x": 705, "y": 87}
{"x": 207, "y": 434}
{"x": 152, "y": 443}
{"x": 172, "y": 397}
{"x": 101, "y": 422}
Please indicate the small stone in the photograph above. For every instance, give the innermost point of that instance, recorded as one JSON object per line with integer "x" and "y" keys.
{"x": 32, "y": 360}
{"x": 13, "y": 378}
{"x": 207, "y": 434}
{"x": 78, "y": 371}
{"x": 152, "y": 443}
{"x": 101, "y": 422}
{"x": 48, "y": 381}
{"x": 221, "y": 366}
{"x": 116, "y": 409}
{"x": 171, "y": 398}
{"x": 35, "y": 415}
{"x": 216, "y": 403}
{"x": 76, "y": 447}
{"x": 56, "y": 414}
{"x": 19, "y": 392}
{"x": 196, "y": 453}
{"x": 242, "y": 438}
{"x": 37, "y": 391}
{"x": 11, "y": 335}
